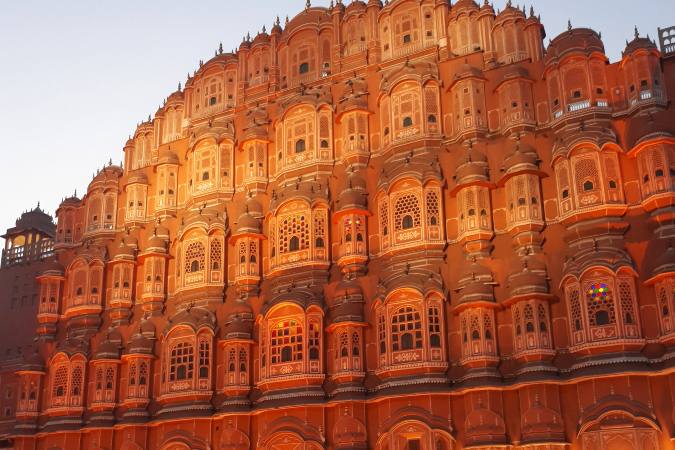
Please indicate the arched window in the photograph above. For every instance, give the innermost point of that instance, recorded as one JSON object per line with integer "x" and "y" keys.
{"x": 407, "y": 222}
{"x": 181, "y": 363}
{"x": 407, "y": 122}
{"x": 588, "y": 185}
{"x": 300, "y": 146}
{"x": 294, "y": 244}
{"x": 286, "y": 342}
{"x": 406, "y": 329}
{"x": 304, "y": 68}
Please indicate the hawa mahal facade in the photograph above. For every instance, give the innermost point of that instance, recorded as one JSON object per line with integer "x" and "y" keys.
{"x": 399, "y": 226}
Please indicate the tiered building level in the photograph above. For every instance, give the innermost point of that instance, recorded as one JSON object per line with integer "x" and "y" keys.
{"x": 400, "y": 226}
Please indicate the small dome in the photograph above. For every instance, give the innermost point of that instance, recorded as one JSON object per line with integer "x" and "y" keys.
{"x": 476, "y": 291}
{"x": 157, "y": 244}
{"x": 528, "y": 280}
{"x": 577, "y": 40}
{"x": 140, "y": 345}
{"x": 137, "y": 177}
{"x": 33, "y": 361}
{"x": 354, "y": 195}
{"x": 472, "y": 167}
{"x": 639, "y": 43}
{"x": 52, "y": 267}
{"x": 247, "y": 223}
{"x": 665, "y": 263}
{"x": 468, "y": 71}
{"x": 124, "y": 252}
{"x": 348, "y": 287}
{"x": 522, "y": 157}
{"x": 166, "y": 156}
{"x": 195, "y": 317}
{"x": 107, "y": 350}
{"x": 72, "y": 201}
{"x": 463, "y": 6}
{"x": 261, "y": 38}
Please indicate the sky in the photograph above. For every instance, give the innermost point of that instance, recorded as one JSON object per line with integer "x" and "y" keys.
{"x": 76, "y": 76}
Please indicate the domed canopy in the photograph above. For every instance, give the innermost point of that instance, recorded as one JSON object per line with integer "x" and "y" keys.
{"x": 354, "y": 195}
{"x": 107, "y": 349}
{"x": 194, "y": 317}
{"x": 239, "y": 322}
{"x": 347, "y": 302}
{"x": 575, "y": 40}
{"x": 472, "y": 167}
{"x": 523, "y": 157}
{"x": 665, "y": 263}
{"x": 33, "y": 362}
{"x": 530, "y": 279}
{"x": 140, "y": 345}
{"x": 639, "y": 43}
{"x": 33, "y": 220}
{"x": 166, "y": 156}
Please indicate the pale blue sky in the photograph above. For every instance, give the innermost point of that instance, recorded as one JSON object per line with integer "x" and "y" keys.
{"x": 76, "y": 76}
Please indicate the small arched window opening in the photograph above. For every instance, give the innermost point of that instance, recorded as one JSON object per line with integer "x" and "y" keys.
{"x": 658, "y": 173}
{"x": 203, "y": 372}
{"x": 472, "y": 212}
{"x": 431, "y": 118}
{"x": 313, "y": 353}
{"x": 407, "y": 122}
{"x": 542, "y": 327}
{"x": 385, "y": 231}
{"x": 588, "y": 185}
{"x": 348, "y": 237}
{"x": 612, "y": 184}
{"x": 181, "y": 372}
{"x": 304, "y": 68}
{"x": 435, "y": 341}
{"x": 359, "y": 237}
{"x": 407, "y": 222}
{"x": 286, "y": 354}
{"x": 252, "y": 259}
{"x": 205, "y": 176}
{"x": 242, "y": 259}
{"x": 294, "y": 244}
{"x": 324, "y": 143}
{"x": 602, "y": 317}
{"x": 565, "y": 193}
{"x": 529, "y": 327}
{"x": 212, "y": 101}
{"x": 344, "y": 352}
{"x": 433, "y": 221}
{"x": 319, "y": 242}
{"x": 406, "y": 341}
{"x": 194, "y": 266}
{"x": 629, "y": 318}
{"x": 488, "y": 334}
{"x": 475, "y": 335}
{"x": 300, "y": 146}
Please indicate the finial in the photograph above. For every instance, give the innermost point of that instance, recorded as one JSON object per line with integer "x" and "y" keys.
{"x": 531, "y": 11}
{"x": 264, "y": 30}
{"x": 569, "y": 25}
{"x": 637, "y": 33}
{"x": 180, "y": 86}
{"x": 110, "y": 162}
{"x": 75, "y": 194}
{"x": 149, "y": 118}
{"x": 248, "y": 37}
{"x": 508, "y": 4}
{"x": 220, "y": 48}
{"x": 286, "y": 24}
{"x": 308, "y": 4}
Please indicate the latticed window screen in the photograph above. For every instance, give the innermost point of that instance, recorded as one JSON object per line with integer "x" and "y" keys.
{"x": 475, "y": 328}
{"x": 516, "y": 320}
{"x": 384, "y": 216}
{"x": 194, "y": 257}
{"x": 434, "y": 326}
{"x": 216, "y": 253}
{"x": 407, "y": 210}
{"x": 181, "y": 363}
{"x": 76, "y": 381}
{"x": 432, "y": 205}
{"x": 406, "y": 329}
{"x": 286, "y": 341}
{"x": 109, "y": 378}
{"x": 542, "y": 318}
{"x": 204, "y": 356}
{"x": 320, "y": 228}
{"x": 575, "y": 308}
{"x": 344, "y": 344}
{"x": 293, "y": 226}
{"x": 585, "y": 170}
{"x": 528, "y": 313}
{"x": 487, "y": 325}
{"x": 314, "y": 339}
{"x": 132, "y": 374}
{"x": 626, "y": 299}
{"x": 382, "y": 334}
{"x": 143, "y": 374}
{"x": 60, "y": 381}
{"x": 600, "y": 304}
{"x": 243, "y": 360}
